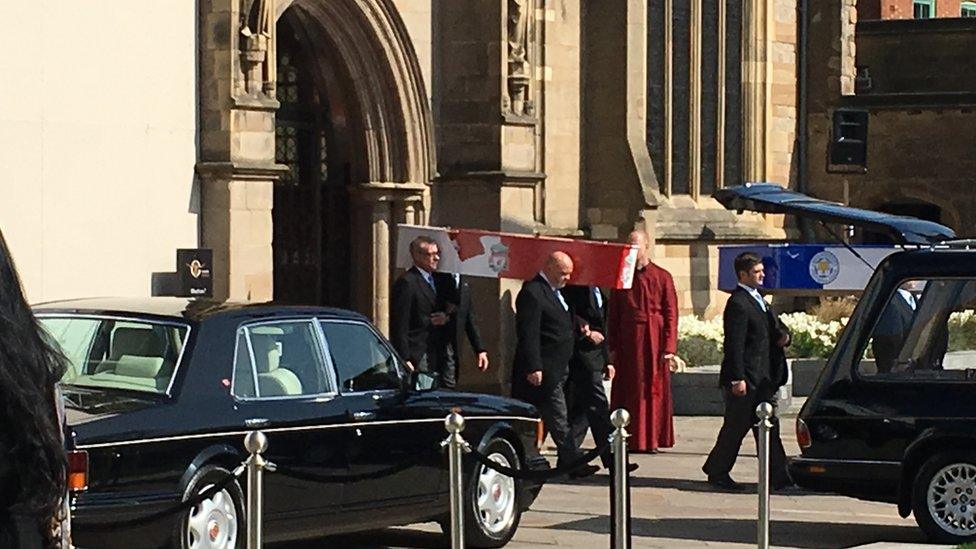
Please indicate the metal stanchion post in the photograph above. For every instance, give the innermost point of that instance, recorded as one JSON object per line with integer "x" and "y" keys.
{"x": 765, "y": 412}
{"x": 454, "y": 423}
{"x": 621, "y": 535}
{"x": 255, "y": 443}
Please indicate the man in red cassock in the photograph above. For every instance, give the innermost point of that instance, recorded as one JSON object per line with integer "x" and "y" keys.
{"x": 643, "y": 338}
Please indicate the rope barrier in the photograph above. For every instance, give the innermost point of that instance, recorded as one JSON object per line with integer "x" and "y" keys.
{"x": 540, "y": 475}
{"x": 185, "y": 505}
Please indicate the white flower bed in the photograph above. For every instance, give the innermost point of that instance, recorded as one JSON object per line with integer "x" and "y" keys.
{"x": 700, "y": 341}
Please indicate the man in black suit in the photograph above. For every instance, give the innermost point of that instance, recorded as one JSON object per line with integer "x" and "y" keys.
{"x": 753, "y": 369}
{"x": 893, "y": 327}
{"x": 588, "y": 405}
{"x": 418, "y": 317}
{"x": 461, "y": 318}
{"x": 546, "y": 338}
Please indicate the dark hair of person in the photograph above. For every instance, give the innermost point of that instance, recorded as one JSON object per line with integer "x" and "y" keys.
{"x": 417, "y": 242}
{"x": 30, "y": 367}
{"x": 745, "y": 261}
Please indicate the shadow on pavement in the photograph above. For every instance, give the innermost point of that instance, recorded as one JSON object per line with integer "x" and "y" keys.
{"x": 801, "y": 534}
{"x": 683, "y": 485}
{"x": 377, "y": 539}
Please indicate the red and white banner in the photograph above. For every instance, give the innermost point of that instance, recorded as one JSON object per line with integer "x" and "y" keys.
{"x": 507, "y": 255}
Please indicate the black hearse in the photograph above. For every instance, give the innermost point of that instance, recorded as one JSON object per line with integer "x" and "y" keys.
{"x": 893, "y": 415}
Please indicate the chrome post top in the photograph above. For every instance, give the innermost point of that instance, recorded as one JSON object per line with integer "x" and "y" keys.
{"x": 764, "y": 411}
{"x": 454, "y": 423}
{"x": 620, "y": 418}
{"x": 255, "y": 442}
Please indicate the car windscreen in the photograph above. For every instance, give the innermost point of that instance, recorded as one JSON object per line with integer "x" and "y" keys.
{"x": 118, "y": 353}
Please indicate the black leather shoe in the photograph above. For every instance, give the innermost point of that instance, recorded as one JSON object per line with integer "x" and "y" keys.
{"x": 631, "y": 467}
{"x": 583, "y": 471}
{"x": 725, "y": 483}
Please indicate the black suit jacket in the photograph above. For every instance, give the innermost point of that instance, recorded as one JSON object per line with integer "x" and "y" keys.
{"x": 890, "y": 333}
{"x": 411, "y": 332}
{"x": 751, "y": 353}
{"x": 585, "y": 308}
{"x": 464, "y": 319}
{"x": 546, "y": 338}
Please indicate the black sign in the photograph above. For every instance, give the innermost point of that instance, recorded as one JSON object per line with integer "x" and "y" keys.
{"x": 195, "y": 268}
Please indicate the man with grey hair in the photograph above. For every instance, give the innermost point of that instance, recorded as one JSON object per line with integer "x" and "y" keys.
{"x": 418, "y": 317}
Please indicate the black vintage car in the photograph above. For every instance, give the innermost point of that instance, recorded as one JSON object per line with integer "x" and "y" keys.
{"x": 893, "y": 415}
{"x": 161, "y": 392}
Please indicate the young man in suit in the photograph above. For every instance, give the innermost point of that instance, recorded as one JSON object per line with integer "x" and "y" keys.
{"x": 546, "y": 338}
{"x": 461, "y": 318}
{"x": 418, "y": 317}
{"x": 585, "y": 395}
{"x": 893, "y": 327}
{"x": 753, "y": 369}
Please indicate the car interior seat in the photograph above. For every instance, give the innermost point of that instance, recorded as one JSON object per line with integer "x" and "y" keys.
{"x": 131, "y": 342}
{"x": 273, "y": 380}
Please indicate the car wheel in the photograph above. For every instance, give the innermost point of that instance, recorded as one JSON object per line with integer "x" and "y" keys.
{"x": 492, "y": 510}
{"x": 216, "y": 522}
{"x": 944, "y": 497}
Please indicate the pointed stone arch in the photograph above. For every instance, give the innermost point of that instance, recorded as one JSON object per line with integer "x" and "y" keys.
{"x": 390, "y": 96}
{"x": 384, "y": 101}
{"x": 389, "y": 121}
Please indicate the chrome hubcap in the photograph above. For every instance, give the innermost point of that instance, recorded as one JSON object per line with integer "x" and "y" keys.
{"x": 212, "y": 523}
{"x": 495, "y": 497}
{"x": 951, "y": 497}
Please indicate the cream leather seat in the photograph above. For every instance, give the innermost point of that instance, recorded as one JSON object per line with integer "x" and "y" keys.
{"x": 272, "y": 379}
{"x": 131, "y": 342}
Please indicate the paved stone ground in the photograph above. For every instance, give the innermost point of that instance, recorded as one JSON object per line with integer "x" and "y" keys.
{"x": 674, "y": 507}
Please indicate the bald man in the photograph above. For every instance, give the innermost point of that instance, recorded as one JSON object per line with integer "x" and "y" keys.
{"x": 546, "y": 337}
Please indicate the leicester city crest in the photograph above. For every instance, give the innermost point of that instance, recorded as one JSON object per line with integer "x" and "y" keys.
{"x": 824, "y": 268}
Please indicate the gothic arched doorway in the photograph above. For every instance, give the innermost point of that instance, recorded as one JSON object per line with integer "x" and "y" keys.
{"x": 311, "y": 201}
{"x": 354, "y": 129}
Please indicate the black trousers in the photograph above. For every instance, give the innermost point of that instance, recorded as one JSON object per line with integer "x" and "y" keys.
{"x": 588, "y": 408}
{"x": 740, "y": 417}
{"x": 552, "y": 408}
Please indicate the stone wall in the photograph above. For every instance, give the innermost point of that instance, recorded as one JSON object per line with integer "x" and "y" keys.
{"x": 917, "y": 56}
{"x": 921, "y": 122}
{"x": 902, "y": 9}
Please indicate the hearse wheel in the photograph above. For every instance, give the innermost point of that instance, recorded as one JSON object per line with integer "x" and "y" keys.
{"x": 944, "y": 497}
{"x": 492, "y": 510}
{"x": 214, "y": 523}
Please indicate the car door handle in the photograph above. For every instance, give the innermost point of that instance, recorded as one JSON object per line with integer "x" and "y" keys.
{"x": 363, "y": 416}
{"x": 257, "y": 422}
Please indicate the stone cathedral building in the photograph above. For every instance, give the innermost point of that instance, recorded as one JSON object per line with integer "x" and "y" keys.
{"x": 292, "y": 136}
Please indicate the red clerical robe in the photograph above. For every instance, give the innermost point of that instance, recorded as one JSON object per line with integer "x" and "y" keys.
{"x": 643, "y": 327}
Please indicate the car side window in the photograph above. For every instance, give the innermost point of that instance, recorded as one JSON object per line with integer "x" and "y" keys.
{"x": 924, "y": 333}
{"x": 280, "y": 359}
{"x": 362, "y": 361}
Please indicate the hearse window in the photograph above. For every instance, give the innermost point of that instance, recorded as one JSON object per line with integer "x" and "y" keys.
{"x": 924, "y": 333}
{"x": 114, "y": 353}
{"x": 361, "y": 359}
{"x": 280, "y": 359}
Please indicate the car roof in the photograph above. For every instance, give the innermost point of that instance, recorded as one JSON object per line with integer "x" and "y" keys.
{"x": 192, "y": 309}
